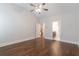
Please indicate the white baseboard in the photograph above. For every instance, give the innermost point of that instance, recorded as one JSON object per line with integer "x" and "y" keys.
{"x": 13, "y": 42}
{"x": 69, "y": 42}
{"x": 63, "y": 41}
{"x": 48, "y": 38}
{"x": 21, "y": 40}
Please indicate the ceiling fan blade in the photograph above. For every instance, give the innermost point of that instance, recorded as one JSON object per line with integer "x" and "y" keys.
{"x": 32, "y": 5}
{"x": 45, "y": 9}
{"x": 43, "y": 3}
{"x": 31, "y": 10}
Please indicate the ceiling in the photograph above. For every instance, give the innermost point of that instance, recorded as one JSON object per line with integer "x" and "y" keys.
{"x": 53, "y": 8}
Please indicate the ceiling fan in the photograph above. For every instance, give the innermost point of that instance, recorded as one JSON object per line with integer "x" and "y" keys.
{"x": 38, "y": 8}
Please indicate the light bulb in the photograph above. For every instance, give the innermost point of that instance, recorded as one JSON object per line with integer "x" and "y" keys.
{"x": 38, "y": 10}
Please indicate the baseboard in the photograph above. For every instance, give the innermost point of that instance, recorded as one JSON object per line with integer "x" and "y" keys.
{"x": 68, "y": 42}
{"x": 63, "y": 41}
{"x": 48, "y": 38}
{"x": 17, "y": 41}
{"x": 21, "y": 40}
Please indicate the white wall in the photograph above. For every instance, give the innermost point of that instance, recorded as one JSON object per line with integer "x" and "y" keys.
{"x": 69, "y": 22}
{"x": 15, "y": 25}
{"x": 69, "y": 28}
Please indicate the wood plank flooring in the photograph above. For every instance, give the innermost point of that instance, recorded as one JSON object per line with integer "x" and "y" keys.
{"x": 32, "y": 48}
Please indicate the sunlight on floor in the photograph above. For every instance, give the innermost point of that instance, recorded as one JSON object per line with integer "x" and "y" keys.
{"x": 56, "y": 48}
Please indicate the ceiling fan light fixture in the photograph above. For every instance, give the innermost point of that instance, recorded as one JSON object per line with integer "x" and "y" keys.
{"x": 38, "y": 8}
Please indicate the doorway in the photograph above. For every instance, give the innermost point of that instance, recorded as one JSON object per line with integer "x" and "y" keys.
{"x": 56, "y": 30}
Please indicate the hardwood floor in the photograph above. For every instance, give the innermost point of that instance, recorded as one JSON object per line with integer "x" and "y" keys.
{"x": 32, "y": 48}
